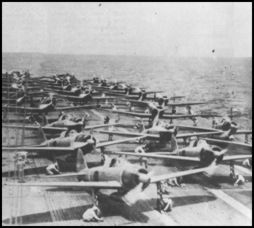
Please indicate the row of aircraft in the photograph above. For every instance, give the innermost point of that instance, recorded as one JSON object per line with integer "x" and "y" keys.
{"x": 69, "y": 134}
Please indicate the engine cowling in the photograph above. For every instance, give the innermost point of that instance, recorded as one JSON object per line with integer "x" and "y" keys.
{"x": 128, "y": 178}
{"x": 63, "y": 142}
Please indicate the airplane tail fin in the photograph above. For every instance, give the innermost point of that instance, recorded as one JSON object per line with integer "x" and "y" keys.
{"x": 41, "y": 131}
{"x": 231, "y": 114}
{"x": 84, "y": 121}
{"x": 142, "y": 126}
{"x": 220, "y": 155}
{"x": 174, "y": 144}
{"x": 45, "y": 120}
{"x": 80, "y": 161}
{"x": 233, "y": 129}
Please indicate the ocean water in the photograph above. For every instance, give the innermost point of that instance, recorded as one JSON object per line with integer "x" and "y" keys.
{"x": 224, "y": 82}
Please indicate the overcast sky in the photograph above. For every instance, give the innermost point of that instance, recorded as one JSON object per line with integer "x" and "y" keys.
{"x": 153, "y": 29}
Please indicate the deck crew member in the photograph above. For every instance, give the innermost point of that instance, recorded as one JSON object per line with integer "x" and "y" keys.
{"x": 189, "y": 112}
{"x": 239, "y": 179}
{"x": 164, "y": 203}
{"x": 142, "y": 149}
{"x": 225, "y": 124}
{"x": 142, "y": 95}
{"x": 20, "y": 161}
{"x": 173, "y": 182}
{"x": 52, "y": 169}
{"x": 106, "y": 120}
{"x": 92, "y": 214}
{"x": 247, "y": 163}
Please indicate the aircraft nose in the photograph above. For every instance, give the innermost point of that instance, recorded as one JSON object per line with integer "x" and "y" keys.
{"x": 145, "y": 179}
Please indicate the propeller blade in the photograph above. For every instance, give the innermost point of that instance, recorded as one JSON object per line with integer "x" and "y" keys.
{"x": 147, "y": 180}
{"x": 213, "y": 168}
{"x": 137, "y": 193}
{"x": 132, "y": 196}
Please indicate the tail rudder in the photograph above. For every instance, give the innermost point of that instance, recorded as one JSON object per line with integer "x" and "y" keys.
{"x": 80, "y": 161}
{"x": 84, "y": 121}
{"x": 174, "y": 144}
{"x": 233, "y": 129}
{"x": 40, "y": 129}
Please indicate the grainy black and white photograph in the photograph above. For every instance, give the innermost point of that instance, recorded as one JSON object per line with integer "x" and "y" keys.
{"x": 126, "y": 113}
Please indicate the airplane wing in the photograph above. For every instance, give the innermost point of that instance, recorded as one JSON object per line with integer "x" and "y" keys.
{"x": 151, "y": 92}
{"x": 90, "y": 184}
{"x": 143, "y": 103}
{"x": 41, "y": 149}
{"x": 51, "y": 129}
{"x": 158, "y": 156}
{"x": 35, "y": 94}
{"x": 100, "y": 126}
{"x": 243, "y": 132}
{"x": 76, "y": 107}
{"x": 100, "y": 87}
{"x": 224, "y": 142}
{"x": 129, "y": 134}
{"x": 65, "y": 96}
{"x": 198, "y": 134}
{"x": 141, "y": 115}
{"x": 121, "y": 94}
{"x": 109, "y": 143}
{"x": 24, "y": 109}
{"x": 185, "y": 127}
{"x": 188, "y": 116}
{"x": 180, "y": 174}
{"x": 10, "y": 100}
{"x": 103, "y": 98}
{"x": 154, "y": 136}
{"x": 140, "y": 103}
{"x": 186, "y": 103}
{"x": 72, "y": 148}
{"x": 236, "y": 157}
{"x": 18, "y": 120}
{"x": 176, "y": 97}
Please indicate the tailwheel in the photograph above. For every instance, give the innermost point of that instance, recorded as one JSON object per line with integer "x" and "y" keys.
{"x": 232, "y": 170}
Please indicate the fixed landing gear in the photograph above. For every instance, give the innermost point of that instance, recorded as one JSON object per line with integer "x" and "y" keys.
{"x": 95, "y": 197}
{"x": 236, "y": 178}
{"x": 195, "y": 123}
{"x": 246, "y": 140}
{"x": 232, "y": 170}
{"x": 164, "y": 203}
{"x": 110, "y": 137}
{"x": 143, "y": 162}
{"x": 102, "y": 149}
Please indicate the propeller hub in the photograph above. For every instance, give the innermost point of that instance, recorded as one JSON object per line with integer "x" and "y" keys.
{"x": 144, "y": 178}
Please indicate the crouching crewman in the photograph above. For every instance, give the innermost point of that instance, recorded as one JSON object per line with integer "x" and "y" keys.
{"x": 92, "y": 214}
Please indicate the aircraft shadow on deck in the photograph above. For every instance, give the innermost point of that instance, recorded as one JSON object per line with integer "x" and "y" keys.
{"x": 75, "y": 213}
{"x": 180, "y": 201}
{"x": 68, "y": 214}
